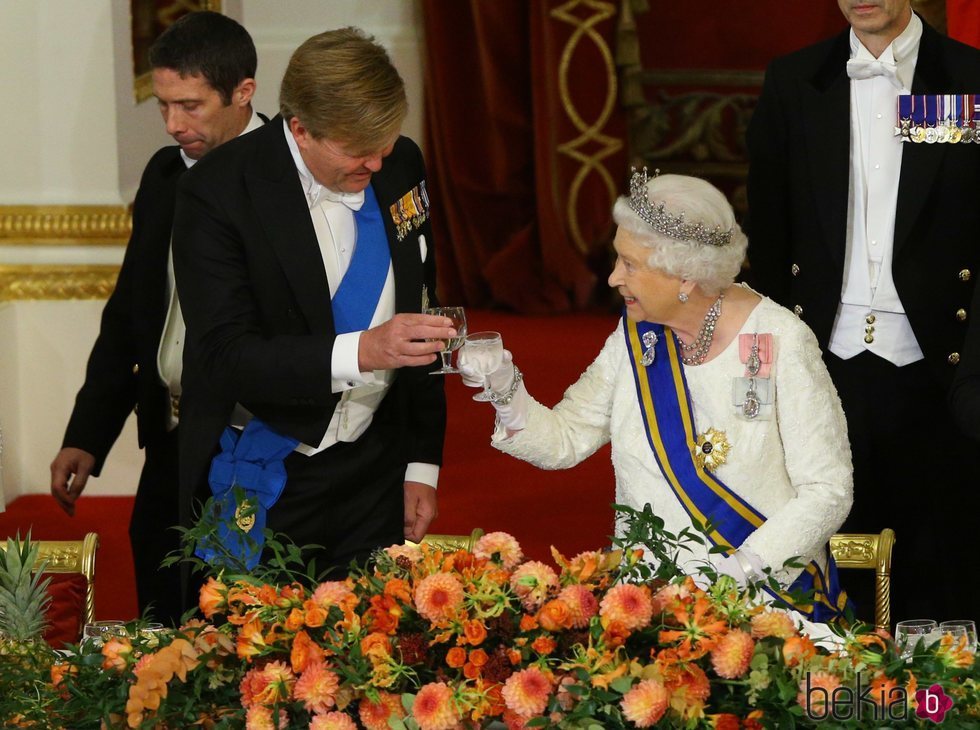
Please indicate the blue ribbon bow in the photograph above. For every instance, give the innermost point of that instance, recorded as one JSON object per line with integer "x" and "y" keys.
{"x": 253, "y": 461}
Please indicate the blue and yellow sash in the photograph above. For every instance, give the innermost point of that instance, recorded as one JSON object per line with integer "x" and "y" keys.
{"x": 668, "y": 418}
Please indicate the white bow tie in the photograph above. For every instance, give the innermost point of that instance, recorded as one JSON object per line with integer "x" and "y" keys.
{"x": 354, "y": 201}
{"x": 864, "y": 68}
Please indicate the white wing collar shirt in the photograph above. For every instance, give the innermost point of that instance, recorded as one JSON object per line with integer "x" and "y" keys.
{"x": 871, "y": 315}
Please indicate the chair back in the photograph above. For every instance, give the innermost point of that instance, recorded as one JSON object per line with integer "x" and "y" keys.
{"x": 870, "y": 551}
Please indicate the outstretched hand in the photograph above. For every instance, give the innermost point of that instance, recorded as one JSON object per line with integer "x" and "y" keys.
{"x": 405, "y": 340}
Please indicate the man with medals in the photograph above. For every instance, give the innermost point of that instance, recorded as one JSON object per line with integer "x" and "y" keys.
{"x": 718, "y": 407}
{"x": 306, "y": 364}
{"x": 872, "y": 242}
{"x": 203, "y": 80}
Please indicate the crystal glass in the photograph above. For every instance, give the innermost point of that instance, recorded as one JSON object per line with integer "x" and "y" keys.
{"x": 484, "y": 354}
{"x": 909, "y": 633}
{"x": 458, "y": 317}
{"x": 98, "y": 632}
{"x": 961, "y": 627}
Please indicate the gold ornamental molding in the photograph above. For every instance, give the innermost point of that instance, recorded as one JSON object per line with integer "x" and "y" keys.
{"x": 59, "y": 282}
{"x": 65, "y": 224}
{"x": 590, "y": 133}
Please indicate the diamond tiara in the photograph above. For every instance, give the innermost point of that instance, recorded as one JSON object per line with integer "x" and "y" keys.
{"x": 657, "y": 217}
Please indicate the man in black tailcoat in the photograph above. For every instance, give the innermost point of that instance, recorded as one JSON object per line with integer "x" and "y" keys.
{"x": 203, "y": 81}
{"x": 303, "y": 256}
{"x": 873, "y": 242}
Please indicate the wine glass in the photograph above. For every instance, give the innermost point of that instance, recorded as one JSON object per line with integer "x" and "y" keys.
{"x": 484, "y": 354}
{"x": 909, "y": 633}
{"x": 458, "y": 317}
{"x": 98, "y": 632}
{"x": 961, "y": 627}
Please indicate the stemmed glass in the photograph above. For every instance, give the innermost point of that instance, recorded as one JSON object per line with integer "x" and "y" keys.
{"x": 909, "y": 633}
{"x": 458, "y": 318}
{"x": 484, "y": 354}
{"x": 960, "y": 628}
{"x": 98, "y": 632}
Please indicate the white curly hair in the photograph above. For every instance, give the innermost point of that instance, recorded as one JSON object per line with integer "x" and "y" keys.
{"x": 712, "y": 268}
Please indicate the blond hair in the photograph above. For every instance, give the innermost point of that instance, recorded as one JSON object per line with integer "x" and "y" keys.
{"x": 341, "y": 84}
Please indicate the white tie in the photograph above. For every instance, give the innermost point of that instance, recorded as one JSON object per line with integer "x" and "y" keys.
{"x": 354, "y": 201}
{"x": 866, "y": 68}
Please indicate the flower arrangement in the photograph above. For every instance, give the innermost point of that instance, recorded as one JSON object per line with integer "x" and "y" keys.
{"x": 435, "y": 639}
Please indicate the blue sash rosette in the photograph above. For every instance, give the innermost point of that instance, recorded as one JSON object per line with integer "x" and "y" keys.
{"x": 251, "y": 460}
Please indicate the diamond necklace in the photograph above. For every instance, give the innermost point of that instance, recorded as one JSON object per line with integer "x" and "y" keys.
{"x": 698, "y": 349}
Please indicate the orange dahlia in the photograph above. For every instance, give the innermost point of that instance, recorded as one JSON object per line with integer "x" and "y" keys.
{"x": 279, "y": 680}
{"x": 645, "y": 703}
{"x": 438, "y": 597}
{"x": 732, "y": 654}
{"x": 582, "y": 604}
{"x": 332, "y": 721}
{"x": 259, "y": 717}
{"x": 773, "y": 623}
{"x": 533, "y": 581}
{"x": 434, "y": 707}
{"x": 501, "y": 547}
{"x": 627, "y": 604}
{"x": 317, "y": 687}
{"x": 374, "y": 715}
{"x": 526, "y": 692}
{"x": 816, "y": 693}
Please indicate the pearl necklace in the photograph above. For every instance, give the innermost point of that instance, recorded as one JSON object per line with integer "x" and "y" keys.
{"x": 698, "y": 350}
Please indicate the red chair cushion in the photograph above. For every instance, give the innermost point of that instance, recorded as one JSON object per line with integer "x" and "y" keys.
{"x": 66, "y": 611}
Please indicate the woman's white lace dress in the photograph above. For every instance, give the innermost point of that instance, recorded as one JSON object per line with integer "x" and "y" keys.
{"x": 795, "y": 467}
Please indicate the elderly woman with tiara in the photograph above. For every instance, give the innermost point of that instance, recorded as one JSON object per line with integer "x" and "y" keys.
{"x": 715, "y": 399}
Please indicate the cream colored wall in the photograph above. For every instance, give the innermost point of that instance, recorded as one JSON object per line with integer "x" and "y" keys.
{"x": 75, "y": 136}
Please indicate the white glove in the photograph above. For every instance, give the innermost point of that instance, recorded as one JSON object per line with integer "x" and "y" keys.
{"x": 743, "y": 565}
{"x": 513, "y": 415}
{"x": 500, "y": 379}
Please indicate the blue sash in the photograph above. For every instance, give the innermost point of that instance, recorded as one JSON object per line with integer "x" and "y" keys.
{"x": 357, "y": 296}
{"x": 668, "y": 419}
{"x": 252, "y": 460}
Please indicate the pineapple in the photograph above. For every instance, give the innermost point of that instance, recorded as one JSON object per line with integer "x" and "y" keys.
{"x": 23, "y": 601}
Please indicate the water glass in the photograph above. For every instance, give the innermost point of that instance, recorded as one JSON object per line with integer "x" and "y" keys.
{"x": 458, "y": 317}
{"x": 961, "y": 627}
{"x": 484, "y": 354}
{"x": 98, "y": 632}
{"x": 909, "y": 633}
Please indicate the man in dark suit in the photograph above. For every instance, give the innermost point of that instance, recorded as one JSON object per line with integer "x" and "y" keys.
{"x": 203, "y": 80}
{"x": 873, "y": 242}
{"x": 303, "y": 256}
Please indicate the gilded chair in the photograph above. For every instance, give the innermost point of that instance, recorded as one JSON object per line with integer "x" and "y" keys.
{"x": 454, "y": 542}
{"x": 71, "y": 566}
{"x": 873, "y": 552}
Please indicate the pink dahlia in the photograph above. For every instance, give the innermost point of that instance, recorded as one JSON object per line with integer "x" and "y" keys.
{"x": 317, "y": 687}
{"x": 533, "y": 581}
{"x": 260, "y": 717}
{"x": 410, "y": 551}
{"x": 438, "y": 597}
{"x": 773, "y": 623}
{"x": 581, "y": 603}
{"x": 732, "y": 654}
{"x": 526, "y": 692}
{"x": 501, "y": 547}
{"x": 816, "y": 693}
{"x": 434, "y": 707}
{"x": 645, "y": 703}
{"x": 332, "y": 593}
{"x": 629, "y": 605}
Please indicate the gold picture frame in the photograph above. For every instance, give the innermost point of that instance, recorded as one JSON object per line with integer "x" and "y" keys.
{"x": 148, "y": 19}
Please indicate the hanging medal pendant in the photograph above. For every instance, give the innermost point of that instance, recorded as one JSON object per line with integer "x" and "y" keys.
{"x": 751, "y": 405}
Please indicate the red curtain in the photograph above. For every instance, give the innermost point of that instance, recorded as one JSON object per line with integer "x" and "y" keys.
{"x": 963, "y": 21}
{"x": 525, "y": 148}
